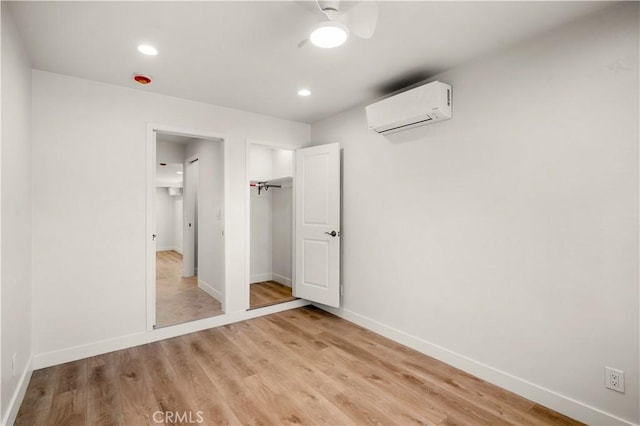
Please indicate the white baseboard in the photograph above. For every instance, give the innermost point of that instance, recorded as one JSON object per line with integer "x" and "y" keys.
{"x": 561, "y": 403}
{"x": 281, "y": 279}
{"x": 258, "y": 278}
{"x": 18, "y": 395}
{"x": 177, "y": 249}
{"x": 48, "y": 359}
{"x": 210, "y": 290}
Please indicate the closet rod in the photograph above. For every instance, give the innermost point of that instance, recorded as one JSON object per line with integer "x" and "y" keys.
{"x": 264, "y": 185}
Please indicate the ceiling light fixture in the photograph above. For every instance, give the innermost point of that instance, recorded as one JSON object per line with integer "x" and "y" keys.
{"x": 329, "y": 34}
{"x": 147, "y": 50}
{"x": 304, "y": 92}
{"x": 179, "y": 173}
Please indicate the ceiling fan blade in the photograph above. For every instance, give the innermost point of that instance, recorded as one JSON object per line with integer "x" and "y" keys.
{"x": 303, "y": 43}
{"x": 313, "y": 7}
{"x": 330, "y": 8}
{"x": 361, "y": 19}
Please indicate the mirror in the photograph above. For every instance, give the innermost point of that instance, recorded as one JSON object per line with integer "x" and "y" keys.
{"x": 189, "y": 229}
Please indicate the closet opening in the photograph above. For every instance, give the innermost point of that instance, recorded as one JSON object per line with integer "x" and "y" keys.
{"x": 271, "y": 227}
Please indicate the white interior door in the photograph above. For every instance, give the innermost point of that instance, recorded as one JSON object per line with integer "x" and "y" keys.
{"x": 190, "y": 207}
{"x": 317, "y": 218}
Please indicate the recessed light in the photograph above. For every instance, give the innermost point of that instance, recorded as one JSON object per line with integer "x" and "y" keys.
{"x": 329, "y": 34}
{"x": 304, "y": 92}
{"x": 179, "y": 173}
{"x": 147, "y": 50}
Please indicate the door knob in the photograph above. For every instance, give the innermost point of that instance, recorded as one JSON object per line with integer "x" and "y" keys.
{"x": 333, "y": 233}
{"x": 153, "y": 237}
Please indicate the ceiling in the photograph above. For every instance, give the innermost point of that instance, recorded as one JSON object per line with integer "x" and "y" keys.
{"x": 169, "y": 175}
{"x": 244, "y": 54}
{"x": 171, "y": 138}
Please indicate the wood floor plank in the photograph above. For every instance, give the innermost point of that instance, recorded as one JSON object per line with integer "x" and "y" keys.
{"x": 410, "y": 383}
{"x": 547, "y": 416}
{"x": 178, "y": 298}
{"x": 228, "y": 385}
{"x": 454, "y": 382}
{"x": 70, "y": 395}
{"x": 36, "y": 406}
{"x": 138, "y": 404}
{"x": 286, "y": 364}
{"x": 290, "y": 346}
{"x": 169, "y": 389}
{"x": 268, "y": 293}
{"x": 300, "y": 342}
{"x": 303, "y": 366}
{"x": 104, "y": 406}
{"x": 209, "y": 402}
{"x": 283, "y": 407}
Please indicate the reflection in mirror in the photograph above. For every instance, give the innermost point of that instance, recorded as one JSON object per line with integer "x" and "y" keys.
{"x": 189, "y": 223}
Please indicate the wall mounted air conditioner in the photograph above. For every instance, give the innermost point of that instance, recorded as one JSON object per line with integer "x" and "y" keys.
{"x": 424, "y": 104}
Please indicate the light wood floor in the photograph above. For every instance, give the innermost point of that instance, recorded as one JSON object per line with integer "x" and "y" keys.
{"x": 179, "y": 299}
{"x": 302, "y": 366}
{"x": 269, "y": 293}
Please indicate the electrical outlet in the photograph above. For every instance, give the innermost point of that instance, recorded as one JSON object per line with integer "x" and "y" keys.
{"x": 614, "y": 379}
{"x": 13, "y": 364}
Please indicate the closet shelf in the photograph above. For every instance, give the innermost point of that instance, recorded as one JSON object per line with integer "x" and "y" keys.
{"x": 285, "y": 181}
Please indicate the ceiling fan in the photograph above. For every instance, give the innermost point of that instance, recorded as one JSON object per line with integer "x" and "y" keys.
{"x": 337, "y": 24}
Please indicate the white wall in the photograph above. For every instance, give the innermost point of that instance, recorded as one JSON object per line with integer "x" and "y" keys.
{"x": 16, "y": 211}
{"x": 169, "y": 152}
{"x": 178, "y": 214}
{"x": 190, "y": 228}
{"x": 268, "y": 163}
{"x": 261, "y": 235}
{"x": 282, "y": 232}
{"x": 260, "y": 162}
{"x": 165, "y": 219}
{"x": 282, "y": 163}
{"x": 210, "y": 207}
{"x": 509, "y": 234}
{"x": 97, "y": 134}
{"x": 168, "y": 208}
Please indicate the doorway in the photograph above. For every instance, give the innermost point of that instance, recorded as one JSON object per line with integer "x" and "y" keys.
{"x": 270, "y": 171}
{"x": 188, "y": 228}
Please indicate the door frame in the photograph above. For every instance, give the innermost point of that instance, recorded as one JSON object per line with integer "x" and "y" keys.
{"x": 150, "y": 245}
{"x": 247, "y": 278}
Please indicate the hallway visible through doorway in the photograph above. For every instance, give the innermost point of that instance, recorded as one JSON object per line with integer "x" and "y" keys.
{"x": 178, "y": 299}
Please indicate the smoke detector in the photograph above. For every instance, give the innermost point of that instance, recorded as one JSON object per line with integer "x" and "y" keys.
{"x": 142, "y": 78}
